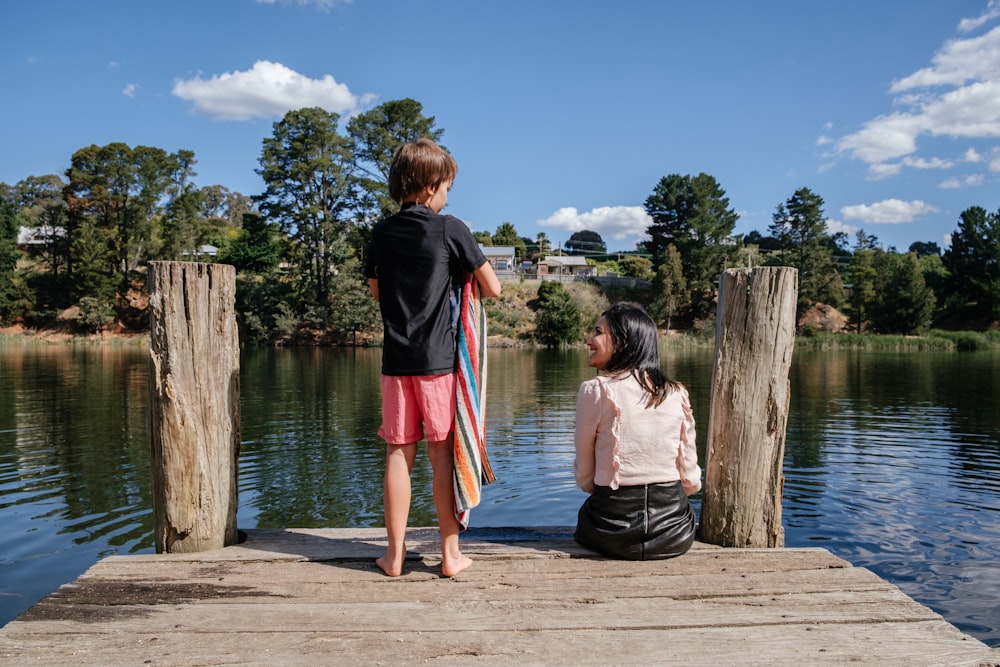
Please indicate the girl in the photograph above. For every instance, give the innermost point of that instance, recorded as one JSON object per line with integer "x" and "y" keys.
{"x": 635, "y": 445}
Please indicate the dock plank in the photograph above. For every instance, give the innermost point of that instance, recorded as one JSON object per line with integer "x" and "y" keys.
{"x": 533, "y": 597}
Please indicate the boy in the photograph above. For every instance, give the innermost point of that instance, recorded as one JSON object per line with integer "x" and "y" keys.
{"x": 415, "y": 259}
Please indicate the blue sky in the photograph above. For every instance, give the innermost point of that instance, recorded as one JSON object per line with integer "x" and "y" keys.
{"x": 563, "y": 116}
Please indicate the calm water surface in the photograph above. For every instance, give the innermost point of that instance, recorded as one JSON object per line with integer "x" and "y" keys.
{"x": 892, "y": 460}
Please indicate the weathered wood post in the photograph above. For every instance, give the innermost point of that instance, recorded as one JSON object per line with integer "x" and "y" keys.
{"x": 195, "y": 405}
{"x": 754, "y": 337}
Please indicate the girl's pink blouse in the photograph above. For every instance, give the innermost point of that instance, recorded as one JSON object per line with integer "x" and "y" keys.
{"x": 620, "y": 442}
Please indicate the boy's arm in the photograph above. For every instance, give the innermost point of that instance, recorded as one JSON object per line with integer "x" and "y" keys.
{"x": 489, "y": 284}
{"x": 373, "y": 286}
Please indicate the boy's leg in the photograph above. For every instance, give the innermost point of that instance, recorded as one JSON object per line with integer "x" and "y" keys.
{"x": 396, "y": 490}
{"x": 442, "y": 457}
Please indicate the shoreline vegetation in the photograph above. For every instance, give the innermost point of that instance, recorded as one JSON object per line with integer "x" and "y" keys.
{"x": 75, "y": 250}
{"x": 935, "y": 340}
{"x": 512, "y": 324}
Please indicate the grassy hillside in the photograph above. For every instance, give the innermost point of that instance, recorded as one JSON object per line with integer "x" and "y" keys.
{"x": 512, "y": 319}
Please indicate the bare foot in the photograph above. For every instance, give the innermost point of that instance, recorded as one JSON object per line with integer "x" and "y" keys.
{"x": 452, "y": 567}
{"x": 392, "y": 568}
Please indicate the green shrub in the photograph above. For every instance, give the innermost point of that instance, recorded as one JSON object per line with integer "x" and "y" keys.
{"x": 96, "y": 315}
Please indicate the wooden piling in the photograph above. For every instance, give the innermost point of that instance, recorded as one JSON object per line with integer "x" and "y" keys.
{"x": 755, "y": 334}
{"x": 194, "y": 420}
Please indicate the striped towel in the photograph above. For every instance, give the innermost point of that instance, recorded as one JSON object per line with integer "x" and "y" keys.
{"x": 472, "y": 467}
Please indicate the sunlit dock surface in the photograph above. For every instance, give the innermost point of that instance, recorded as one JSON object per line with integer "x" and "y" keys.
{"x": 533, "y": 597}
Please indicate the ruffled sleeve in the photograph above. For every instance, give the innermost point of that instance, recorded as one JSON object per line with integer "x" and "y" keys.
{"x": 616, "y": 440}
{"x": 588, "y": 416}
{"x": 687, "y": 453}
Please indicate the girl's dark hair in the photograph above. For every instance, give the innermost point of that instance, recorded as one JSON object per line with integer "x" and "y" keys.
{"x": 633, "y": 333}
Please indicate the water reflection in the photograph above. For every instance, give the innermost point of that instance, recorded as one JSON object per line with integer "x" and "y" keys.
{"x": 310, "y": 457}
{"x": 892, "y": 460}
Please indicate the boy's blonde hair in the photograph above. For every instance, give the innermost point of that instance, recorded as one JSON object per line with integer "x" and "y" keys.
{"x": 419, "y": 164}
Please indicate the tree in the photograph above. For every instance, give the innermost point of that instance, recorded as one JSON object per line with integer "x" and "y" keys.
{"x": 40, "y": 199}
{"x": 864, "y": 241}
{"x": 96, "y": 315}
{"x": 353, "y": 309}
{"x": 35, "y": 195}
{"x": 936, "y": 277}
{"x": 693, "y": 215}
{"x": 308, "y": 170}
{"x": 903, "y": 302}
{"x": 263, "y": 310}
{"x": 586, "y": 242}
{"x": 377, "y": 135}
{"x": 863, "y": 277}
{"x": 183, "y": 226}
{"x": 671, "y": 289}
{"x": 221, "y": 204}
{"x": 506, "y": 235}
{"x": 256, "y": 249}
{"x": 115, "y": 198}
{"x": 765, "y": 243}
{"x": 8, "y": 257}
{"x": 635, "y": 266}
{"x": 530, "y": 247}
{"x": 800, "y": 227}
{"x": 543, "y": 243}
{"x": 559, "y": 320}
{"x": 925, "y": 248}
{"x": 888, "y": 291}
{"x": 973, "y": 260}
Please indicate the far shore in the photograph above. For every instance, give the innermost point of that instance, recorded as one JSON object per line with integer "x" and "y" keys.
{"x": 935, "y": 340}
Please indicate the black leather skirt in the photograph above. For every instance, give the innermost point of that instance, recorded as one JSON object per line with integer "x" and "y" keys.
{"x": 645, "y": 522}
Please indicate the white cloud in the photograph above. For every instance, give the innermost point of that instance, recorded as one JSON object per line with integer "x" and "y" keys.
{"x": 970, "y": 111}
{"x": 129, "y": 90}
{"x": 884, "y": 138}
{"x": 877, "y": 172}
{"x": 992, "y": 12}
{"x": 958, "y": 96}
{"x": 972, "y": 156}
{"x": 264, "y": 91}
{"x": 889, "y": 211}
{"x": 824, "y": 140}
{"x": 955, "y": 183}
{"x": 324, "y": 5}
{"x": 959, "y": 61}
{"x": 615, "y": 222}
{"x": 932, "y": 163}
{"x": 837, "y": 227}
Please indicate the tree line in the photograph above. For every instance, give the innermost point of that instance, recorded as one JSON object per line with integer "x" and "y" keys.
{"x": 882, "y": 290}
{"x": 299, "y": 245}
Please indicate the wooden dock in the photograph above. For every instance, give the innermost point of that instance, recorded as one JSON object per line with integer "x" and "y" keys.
{"x": 533, "y": 597}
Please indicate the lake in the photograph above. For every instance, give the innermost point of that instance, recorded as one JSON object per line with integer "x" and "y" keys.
{"x": 892, "y": 460}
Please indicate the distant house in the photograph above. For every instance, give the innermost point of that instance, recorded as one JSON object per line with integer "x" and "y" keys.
{"x": 28, "y": 237}
{"x": 564, "y": 265}
{"x": 202, "y": 251}
{"x": 500, "y": 257}
{"x": 36, "y": 241}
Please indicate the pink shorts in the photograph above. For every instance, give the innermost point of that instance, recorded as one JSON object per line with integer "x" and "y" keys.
{"x": 415, "y": 404}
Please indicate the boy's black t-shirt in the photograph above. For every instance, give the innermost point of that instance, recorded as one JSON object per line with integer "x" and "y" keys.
{"x": 417, "y": 256}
